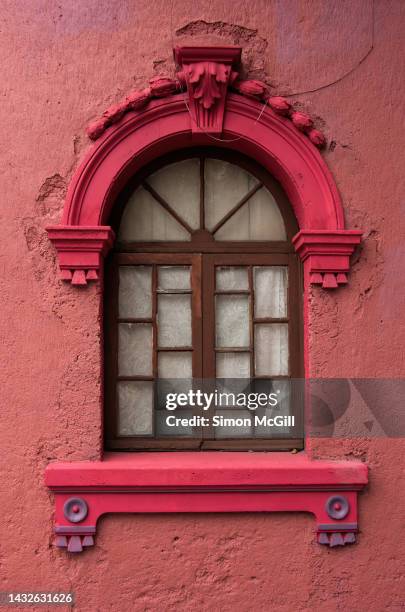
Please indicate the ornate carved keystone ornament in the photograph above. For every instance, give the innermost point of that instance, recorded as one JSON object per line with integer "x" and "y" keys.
{"x": 207, "y": 74}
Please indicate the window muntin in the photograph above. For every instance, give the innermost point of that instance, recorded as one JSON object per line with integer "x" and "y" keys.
{"x": 180, "y": 308}
{"x": 201, "y": 193}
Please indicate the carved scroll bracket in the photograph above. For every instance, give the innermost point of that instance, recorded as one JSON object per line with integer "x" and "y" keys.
{"x": 207, "y": 72}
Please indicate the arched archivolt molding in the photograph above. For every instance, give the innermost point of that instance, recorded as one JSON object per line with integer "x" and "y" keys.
{"x": 205, "y": 110}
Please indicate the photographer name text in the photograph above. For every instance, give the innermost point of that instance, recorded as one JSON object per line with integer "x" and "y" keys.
{"x": 222, "y": 421}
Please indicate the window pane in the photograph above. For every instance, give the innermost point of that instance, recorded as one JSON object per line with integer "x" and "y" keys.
{"x": 231, "y": 277}
{"x": 174, "y": 277}
{"x": 135, "y": 408}
{"x": 271, "y": 349}
{"x": 175, "y": 365}
{"x": 174, "y": 320}
{"x": 145, "y": 219}
{"x": 233, "y": 365}
{"x": 134, "y": 349}
{"x": 135, "y": 292}
{"x": 232, "y": 320}
{"x": 270, "y": 284}
{"x": 179, "y": 185}
{"x": 225, "y": 185}
{"x": 258, "y": 219}
{"x": 283, "y": 408}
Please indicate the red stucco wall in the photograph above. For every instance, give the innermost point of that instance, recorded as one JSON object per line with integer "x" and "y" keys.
{"x": 62, "y": 65}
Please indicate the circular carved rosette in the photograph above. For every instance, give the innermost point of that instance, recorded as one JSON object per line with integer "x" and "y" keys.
{"x": 337, "y": 507}
{"x": 75, "y": 509}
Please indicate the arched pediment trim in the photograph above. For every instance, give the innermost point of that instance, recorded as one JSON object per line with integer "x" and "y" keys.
{"x": 193, "y": 118}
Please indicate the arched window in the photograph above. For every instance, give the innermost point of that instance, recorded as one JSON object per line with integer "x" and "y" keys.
{"x": 203, "y": 283}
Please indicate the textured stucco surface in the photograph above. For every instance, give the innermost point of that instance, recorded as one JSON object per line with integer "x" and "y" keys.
{"x": 62, "y": 65}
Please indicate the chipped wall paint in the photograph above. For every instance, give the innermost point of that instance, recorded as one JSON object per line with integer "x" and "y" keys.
{"x": 61, "y": 69}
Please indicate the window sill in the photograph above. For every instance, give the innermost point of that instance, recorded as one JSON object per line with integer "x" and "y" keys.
{"x": 205, "y": 482}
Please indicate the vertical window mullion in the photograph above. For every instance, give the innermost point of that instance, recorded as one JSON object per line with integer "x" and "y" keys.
{"x": 154, "y": 342}
{"x": 202, "y": 192}
{"x": 251, "y": 323}
{"x": 112, "y": 334}
{"x": 197, "y": 323}
{"x": 252, "y": 330}
{"x": 208, "y": 345}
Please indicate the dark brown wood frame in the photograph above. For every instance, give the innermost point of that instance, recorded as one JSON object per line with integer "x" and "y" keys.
{"x": 202, "y": 252}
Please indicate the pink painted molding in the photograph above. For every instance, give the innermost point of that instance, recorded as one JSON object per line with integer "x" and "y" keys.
{"x": 206, "y": 73}
{"x": 205, "y": 482}
{"x": 81, "y": 250}
{"x": 326, "y": 255}
{"x": 159, "y": 123}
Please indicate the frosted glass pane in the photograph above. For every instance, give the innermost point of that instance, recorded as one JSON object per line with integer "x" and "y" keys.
{"x": 135, "y": 292}
{"x": 174, "y": 277}
{"x": 233, "y": 365}
{"x": 144, "y": 219}
{"x": 179, "y": 185}
{"x": 134, "y": 349}
{"x": 225, "y": 185}
{"x": 271, "y": 349}
{"x": 231, "y": 277}
{"x": 258, "y": 219}
{"x": 135, "y": 408}
{"x": 175, "y": 365}
{"x": 232, "y": 320}
{"x": 270, "y": 284}
{"x": 237, "y": 428}
{"x": 174, "y": 320}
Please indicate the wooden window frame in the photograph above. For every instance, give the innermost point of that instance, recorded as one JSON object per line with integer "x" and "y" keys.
{"x": 203, "y": 253}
